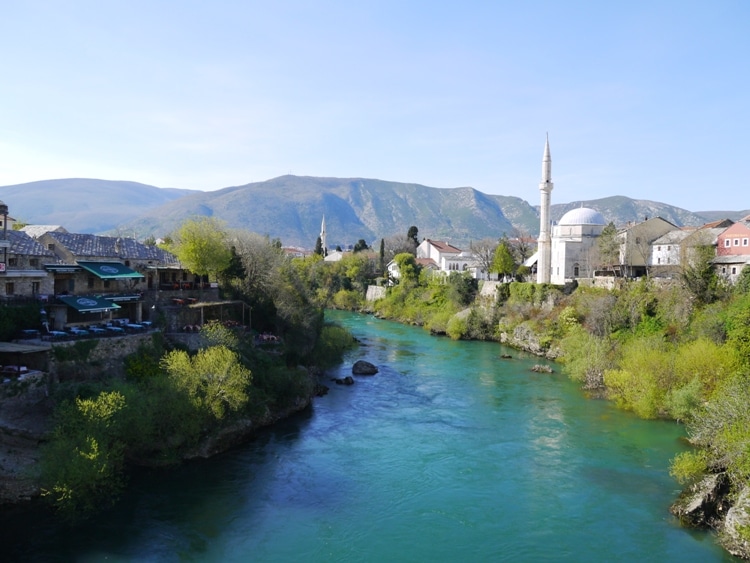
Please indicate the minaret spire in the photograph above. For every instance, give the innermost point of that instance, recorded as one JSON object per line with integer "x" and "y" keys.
{"x": 544, "y": 260}
{"x": 323, "y": 235}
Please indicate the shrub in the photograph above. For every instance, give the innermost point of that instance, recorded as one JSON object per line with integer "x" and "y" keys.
{"x": 456, "y": 328}
{"x": 82, "y": 465}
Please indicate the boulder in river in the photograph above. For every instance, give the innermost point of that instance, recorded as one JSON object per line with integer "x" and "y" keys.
{"x": 361, "y": 367}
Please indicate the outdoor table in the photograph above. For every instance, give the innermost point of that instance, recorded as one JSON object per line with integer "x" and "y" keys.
{"x": 97, "y": 330}
{"x": 133, "y": 326}
{"x": 78, "y": 331}
{"x": 115, "y": 329}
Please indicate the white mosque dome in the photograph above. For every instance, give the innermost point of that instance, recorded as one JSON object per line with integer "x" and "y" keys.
{"x": 582, "y": 216}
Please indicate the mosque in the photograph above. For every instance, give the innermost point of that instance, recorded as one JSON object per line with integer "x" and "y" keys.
{"x": 567, "y": 250}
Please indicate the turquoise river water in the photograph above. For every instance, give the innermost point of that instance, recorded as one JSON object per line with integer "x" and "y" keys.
{"x": 450, "y": 453}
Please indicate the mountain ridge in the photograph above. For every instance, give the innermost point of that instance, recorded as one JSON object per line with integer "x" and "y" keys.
{"x": 291, "y": 208}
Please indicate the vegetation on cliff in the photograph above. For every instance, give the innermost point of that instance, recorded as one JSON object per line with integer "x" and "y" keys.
{"x": 172, "y": 402}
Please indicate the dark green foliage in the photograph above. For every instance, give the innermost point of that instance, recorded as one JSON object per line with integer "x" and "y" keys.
{"x": 700, "y": 277}
{"x": 78, "y": 352}
{"x": 14, "y": 318}
{"x": 360, "y": 245}
{"x": 609, "y": 246}
{"x": 462, "y": 288}
{"x": 413, "y": 234}
{"x": 319, "y": 247}
{"x": 330, "y": 347}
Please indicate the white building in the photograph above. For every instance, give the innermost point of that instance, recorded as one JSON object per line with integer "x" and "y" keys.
{"x": 574, "y": 245}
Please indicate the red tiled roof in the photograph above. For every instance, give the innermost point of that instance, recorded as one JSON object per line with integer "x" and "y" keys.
{"x": 443, "y": 246}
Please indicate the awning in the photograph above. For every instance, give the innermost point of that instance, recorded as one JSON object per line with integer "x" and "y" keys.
{"x": 88, "y": 303}
{"x": 110, "y": 270}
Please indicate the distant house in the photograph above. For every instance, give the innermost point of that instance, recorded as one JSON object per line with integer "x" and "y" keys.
{"x": 25, "y": 276}
{"x": 635, "y": 245}
{"x": 446, "y": 257}
{"x": 733, "y": 249}
{"x": 666, "y": 252}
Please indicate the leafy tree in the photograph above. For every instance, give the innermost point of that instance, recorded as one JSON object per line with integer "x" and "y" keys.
{"x": 150, "y": 240}
{"x": 609, "y": 246}
{"x": 503, "y": 262}
{"x": 82, "y": 466}
{"x": 361, "y": 245}
{"x": 408, "y": 268}
{"x": 214, "y": 379}
{"x": 318, "y": 246}
{"x": 201, "y": 246}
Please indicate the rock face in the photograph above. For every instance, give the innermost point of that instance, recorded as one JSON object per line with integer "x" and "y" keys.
{"x": 523, "y": 337}
{"x": 361, "y": 367}
{"x": 737, "y": 519}
{"x": 703, "y": 504}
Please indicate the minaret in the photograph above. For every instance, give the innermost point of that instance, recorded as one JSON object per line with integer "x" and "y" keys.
{"x": 544, "y": 266}
{"x": 323, "y": 236}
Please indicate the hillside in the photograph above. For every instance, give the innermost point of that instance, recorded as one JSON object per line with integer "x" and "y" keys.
{"x": 84, "y": 205}
{"x": 292, "y": 207}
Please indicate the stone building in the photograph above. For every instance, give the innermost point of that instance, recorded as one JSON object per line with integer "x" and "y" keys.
{"x": 574, "y": 245}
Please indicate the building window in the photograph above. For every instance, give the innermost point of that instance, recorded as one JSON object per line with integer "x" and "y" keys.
{"x": 50, "y": 246}
{"x": 734, "y": 270}
{"x": 91, "y": 282}
{"x": 106, "y": 284}
{"x": 34, "y": 288}
{"x": 744, "y": 242}
{"x": 638, "y": 240}
{"x": 736, "y": 242}
{"x": 575, "y": 271}
{"x": 723, "y": 269}
{"x": 669, "y": 248}
{"x": 10, "y": 288}
{"x": 34, "y": 262}
{"x": 658, "y": 260}
{"x": 727, "y": 243}
{"x": 658, "y": 249}
{"x": 13, "y": 261}
{"x": 127, "y": 263}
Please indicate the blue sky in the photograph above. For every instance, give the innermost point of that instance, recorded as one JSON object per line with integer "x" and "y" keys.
{"x": 643, "y": 99}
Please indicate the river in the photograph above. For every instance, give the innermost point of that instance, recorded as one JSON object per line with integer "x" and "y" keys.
{"x": 450, "y": 453}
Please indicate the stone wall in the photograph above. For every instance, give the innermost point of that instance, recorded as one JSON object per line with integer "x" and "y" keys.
{"x": 375, "y": 292}
{"x": 107, "y": 357}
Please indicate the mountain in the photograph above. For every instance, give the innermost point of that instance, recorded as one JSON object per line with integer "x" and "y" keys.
{"x": 84, "y": 205}
{"x": 291, "y": 208}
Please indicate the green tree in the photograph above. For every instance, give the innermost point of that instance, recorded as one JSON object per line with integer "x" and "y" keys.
{"x": 381, "y": 258}
{"x": 408, "y": 268}
{"x": 201, "y": 246}
{"x": 609, "y": 246}
{"x": 318, "y": 246}
{"x": 214, "y": 379}
{"x": 82, "y": 466}
{"x": 503, "y": 262}
{"x": 361, "y": 245}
